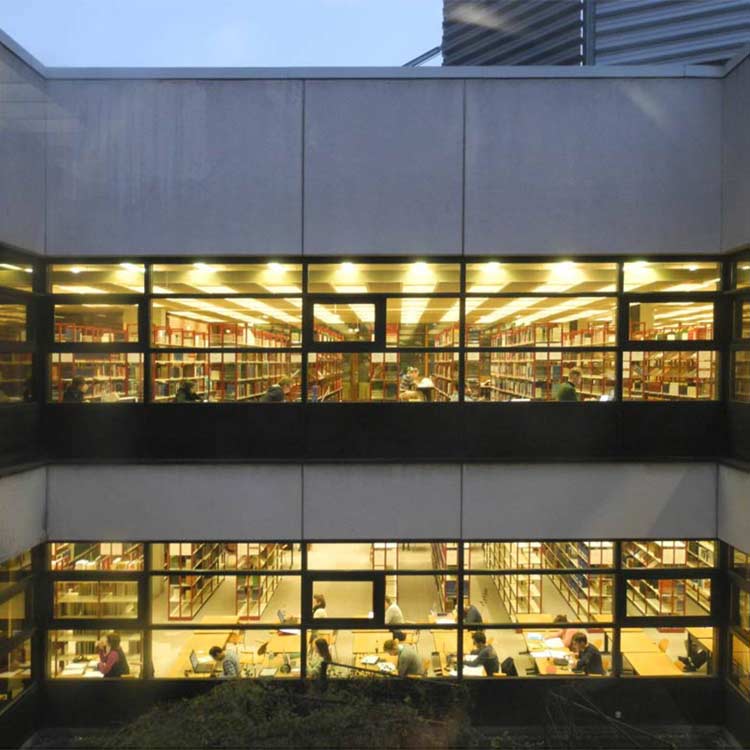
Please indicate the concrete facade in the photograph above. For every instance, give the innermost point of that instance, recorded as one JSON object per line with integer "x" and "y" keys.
{"x": 23, "y": 507}
{"x": 390, "y": 161}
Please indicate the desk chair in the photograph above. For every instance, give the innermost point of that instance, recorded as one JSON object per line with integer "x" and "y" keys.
{"x": 663, "y": 645}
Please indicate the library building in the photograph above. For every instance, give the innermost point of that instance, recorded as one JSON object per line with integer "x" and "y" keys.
{"x": 436, "y": 373}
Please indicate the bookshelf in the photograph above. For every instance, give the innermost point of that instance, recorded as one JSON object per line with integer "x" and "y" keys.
{"x": 699, "y": 590}
{"x": 325, "y": 376}
{"x": 700, "y": 553}
{"x": 657, "y": 597}
{"x": 662, "y": 553}
{"x": 95, "y": 600}
{"x": 741, "y": 382}
{"x": 73, "y": 646}
{"x": 669, "y": 375}
{"x": 188, "y": 592}
{"x": 15, "y": 370}
{"x": 674, "y": 331}
{"x": 106, "y": 374}
{"x": 90, "y": 334}
{"x": 572, "y": 555}
{"x": 445, "y": 560}
{"x": 96, "y": 556}
{"x": 254, "y": 592}
{"x": 384, "y": 556}
{"x": 740, "y": 665}
{"x": 385, "y": 376}
{"x": 520, "y": 593}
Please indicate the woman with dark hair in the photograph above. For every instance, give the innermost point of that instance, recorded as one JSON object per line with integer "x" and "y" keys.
{"x": 319, "y": 659}
{"x": 565, "y": 634}
{"x": 112, "y": 659}
{"x": 319, "y": 606}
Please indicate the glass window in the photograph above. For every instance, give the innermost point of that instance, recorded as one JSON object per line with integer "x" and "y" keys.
{"x": 349, "y": 599}
{"x": 15, "y": 377}
{"x": 558, "y": 277}
{"x": 668, "y": 597}
{"x": 741, "y": 618}
{"x": 742, "y": 274}
{"x": 343, "y": 322}
{"x": 225, "y": 556}
{"x": 258, "y": 653}
{"x": 96, "y": 556}
{"x": 417, "y": 599}
{"x": 739, "y": 670}
{"x": 674, "y": 276}
{"x": 227, "y": 278}
{"x": 744, "y": 331}
{"x": 95, "y": 599}
{"x": 227, "y": 323}
{"x": 15, "y": 671}
{"x": 368, "y": 652}
{"x": 383, "y": 278}
{"x": 540, "y": 322}
{"x": 669, "y": 553}
{"x": 381, "y": 556}
{"x": 671, "y": 321}
{"x": 669, "y": 375}
{"x": 12, "y": 617}
{"x": 185, "y": 377}
{"x": 96, "y": 378}
{"x": 13, "y": 323}
{"x": 97, "y": 278}
{"x": 96, "y": 324}
{"x": 77, "y": 653}
{"x": 17, "y": 276}
{"x": 741, "y": 563}
{"x": 539, "y": 555}
{"x": 741, "y": 380}
{"x": 422, "y": 322}
{"x": 540, "y": 376}
{"x": 676, "y": 652}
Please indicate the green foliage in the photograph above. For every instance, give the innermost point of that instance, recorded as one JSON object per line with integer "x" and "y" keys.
{"x": 349, "y": 714}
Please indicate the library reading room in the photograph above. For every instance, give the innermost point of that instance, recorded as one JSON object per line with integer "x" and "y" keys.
{"x": 398, "y": 376}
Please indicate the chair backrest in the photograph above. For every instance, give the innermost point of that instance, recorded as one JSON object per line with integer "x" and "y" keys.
{"x": 700, "y": 658}
{"x": 663, "y": 645}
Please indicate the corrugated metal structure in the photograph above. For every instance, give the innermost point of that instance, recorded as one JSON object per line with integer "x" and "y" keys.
{"x": 512, "y": 32}
{"x": 663, "y": 31}
{"x": 603, "y": 32}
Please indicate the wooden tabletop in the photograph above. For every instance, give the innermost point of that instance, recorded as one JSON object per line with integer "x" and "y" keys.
{"x": 540, "y": 617}
{"x": 652, "y": 664}
{"x": 637, "y": 643}
{"x": 704, "y": 636}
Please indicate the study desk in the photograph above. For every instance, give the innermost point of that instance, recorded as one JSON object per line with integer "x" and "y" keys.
{"x": 371, "y": 641}
{"x": 76, "y": 670}
{"x": 284, "y": 643}
{"x": 650, "y": 664}
{"x": 638, "y": 643}
{"x": 200, "y": 642}
{"x": 541, "y": 617}
{"x": 704, "y": 636}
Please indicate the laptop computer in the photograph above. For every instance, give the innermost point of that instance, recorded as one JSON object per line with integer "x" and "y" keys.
{"x": 201, "y": 664}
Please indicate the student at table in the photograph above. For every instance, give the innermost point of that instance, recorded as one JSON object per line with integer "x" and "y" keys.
{"x": 230, "y": 665}
{"x": 186, "y": 393}
{"x": 483, "y": 655}
{"x": 75, "y": 391}
{"x": 319, "y": 659}
{"x": 408, "y": 664}
{"x": 393, "y": 613}
{"x": 278, "y": 392}
{"x": 589, "y": 660}
{"x": 472, "y": 616}
{"x": 112, "y": 659}
{"x": 564, "y": 634}
{"x": 319, "y": 606}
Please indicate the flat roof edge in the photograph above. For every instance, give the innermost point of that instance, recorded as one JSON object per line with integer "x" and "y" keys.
{"x": 394, "y": 73}
{"x": 737, "y": 60}
{"x": 16, "y": 49}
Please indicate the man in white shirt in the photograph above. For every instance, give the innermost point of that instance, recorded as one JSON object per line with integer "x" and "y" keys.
{"x": 393, "y": 613}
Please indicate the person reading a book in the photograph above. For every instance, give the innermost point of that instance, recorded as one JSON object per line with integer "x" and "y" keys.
{"x": 227, "y": 660}
{"x": 588, "y": 659}
{"x": 483, "y": 655}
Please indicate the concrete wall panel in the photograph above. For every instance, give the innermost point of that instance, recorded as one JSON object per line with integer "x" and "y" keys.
{"x": 593, "y": 166}
{"x": 170, "y": 167}
{"x": 736, "y": 158}
{"x": 599, "y": 501}
{"x": 382, "y": 502}
{"x": 734, "y": 507}
{"x": 22, "y": 153}
{"x": 22, "y": 510}
{"x": 174, "y": 502}
{"x": 383, "y": 163}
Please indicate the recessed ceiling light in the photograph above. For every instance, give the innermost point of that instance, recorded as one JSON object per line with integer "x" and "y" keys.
{"x": 202, "y": 266}
{"x": 276, "y": 267}
{"x": 347, "y": 266}
{"x": 692, "y": 268}
{"x": 75, "y": 269}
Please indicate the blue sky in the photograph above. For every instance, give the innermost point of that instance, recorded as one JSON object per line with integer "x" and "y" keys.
{"x": 274, "y": 33}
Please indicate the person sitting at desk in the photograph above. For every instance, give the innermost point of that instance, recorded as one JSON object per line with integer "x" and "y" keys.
{"x": 483, "y": 655}
{"x": 589, "y": 659}
{"x": 472, "y": 616}
{"x": 564, "y": 634}
{"x": 278, "y": 392}
{"x": 393, "y": 613}
{"x": 319, "y": 606}
{"x": 408, "y": 664}
{"x": 567, "y": 390}
{"x": 186, "y": 393}
{"x": 112, "y": 659}
{"x": 319, "y": 659}
{"x": 230, "y": 664}
{"x": 75, "y": 391}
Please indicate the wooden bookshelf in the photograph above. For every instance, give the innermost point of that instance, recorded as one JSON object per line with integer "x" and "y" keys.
{"x": 661, "y": 553}
{"x": 741, "y": 380}
{"x": 657, "y": 597}
{"x": 70, "y": 333}
{"x": 445, "y": 560}
{"x": 520, "y": 593}
{"x": 253, "y": 592}
{"x": 384, "y": 556}
{"x": 15, "y": 370}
